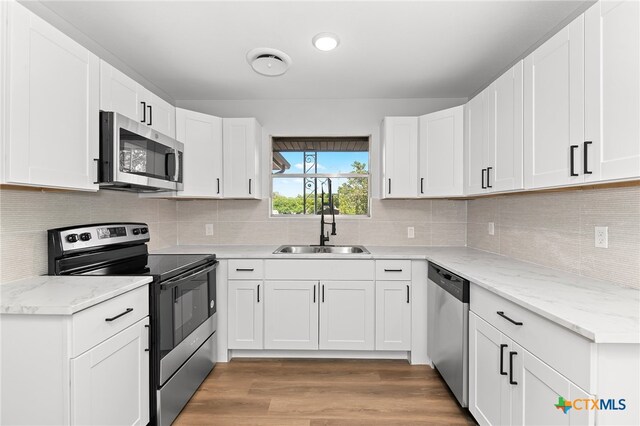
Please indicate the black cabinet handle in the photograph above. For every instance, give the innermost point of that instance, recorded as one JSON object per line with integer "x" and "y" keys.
{"x": 407, "y": 293}
{"x": 150, "y": 115}
{"x": 483, "y": 185}
{"x": 422, "y": 185}
{"x": 501, "y": 313}
{"x": 314, "y": 293}
{"x": 218, "y": 180}
{"x": 249, "y": 186}
{"x": 258, "y": 293}
{"x": 489, "y": 177}
{"x": 393, "y": 270}
{"x": 119, "y": 315}
{"x": 572, "y": 155}
{"x": 244, "y": 269}
{"x": 389, "y": 185}
{"x": 144, "y": 112}
{"x": 322, "y": 293}
{"x": 586, "y": 170}
{"x": 511, "y": 355}
{"x": 502, "y": 346}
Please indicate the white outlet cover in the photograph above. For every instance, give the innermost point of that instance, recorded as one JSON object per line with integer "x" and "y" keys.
{"x": 491, "y": 228}
{"x": 602, "y": 237}
{"x": 411, "y": 232}
{"x": 208, "y": 229}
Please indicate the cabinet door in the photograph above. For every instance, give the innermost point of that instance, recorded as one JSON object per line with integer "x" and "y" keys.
{"x": 246, "y": 309}
{"x": 162, "y": 115}
{"x": 241, "y": 143}
{"x": 347, "y": 315}
{"x": 202, "y": 138}
{"x": 120, "y": 93}
{"x": 291, "y": 315}
{"x": 476, "y": 142}
{"x": 393, "y": 315}
{"x": 489, "y": 399}
{"x": 400, "y": 154}
{"x": 538, "y": 389}
{"x": 612, "y": 90}
{"x": 554, "y": 109}
{"x": 53, "y": 110}
{"x": 110, "y": 382}
{"x": 504, "y": 166}
{"x": 440, "y": 149}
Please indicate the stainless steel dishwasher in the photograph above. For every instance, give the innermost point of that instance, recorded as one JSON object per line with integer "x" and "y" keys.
{"x": 448, "y": 329}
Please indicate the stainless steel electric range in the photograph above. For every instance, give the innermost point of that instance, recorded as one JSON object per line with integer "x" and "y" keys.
{"x": 182, "y": 305}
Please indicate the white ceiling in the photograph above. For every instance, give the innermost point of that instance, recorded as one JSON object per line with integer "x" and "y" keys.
{"x": 390, "y": 49}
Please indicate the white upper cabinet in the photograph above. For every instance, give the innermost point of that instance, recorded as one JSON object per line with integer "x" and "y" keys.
{"x": 440, "y": 153}
{"x": 242, "y": 140}
{"x": 476, "y": 144}
{"x": 201, "y": 135}
{"x": 504, "y": 157}
{"x": 612, "y": 91}
{"x": 554, "y": 110}
{"x": 400, "y": 152}
{"x": 124, "y": 95}
{"x": 50, "y": 105}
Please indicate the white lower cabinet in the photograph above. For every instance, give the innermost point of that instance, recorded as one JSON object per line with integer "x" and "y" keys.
{"x": 393, "y": 315}
{"x": 347, "y": 315}
{"x": 246, "y": 314}
{"x": 509, "y": 385}
{"x": 114, "y": 374}
{"x": 291, "y": 315}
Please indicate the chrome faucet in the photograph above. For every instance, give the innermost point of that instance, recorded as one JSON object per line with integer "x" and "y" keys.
{"x": 324, "y": 238}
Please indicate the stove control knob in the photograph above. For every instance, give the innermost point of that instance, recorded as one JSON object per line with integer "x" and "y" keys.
{"x": 72, "y": 238}
{"x": 144, "y": 230}
{"x": 136, "y": 231}
{"x": 85, "y": 236}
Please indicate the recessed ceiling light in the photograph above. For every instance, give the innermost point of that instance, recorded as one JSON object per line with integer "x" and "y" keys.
{"x": 269, "y": 62}
{"x": 326, "y": 41}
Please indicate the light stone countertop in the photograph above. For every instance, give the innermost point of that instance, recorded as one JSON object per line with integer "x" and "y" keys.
{"x": 598, "y": 310}
{"x": 63, "y": 295}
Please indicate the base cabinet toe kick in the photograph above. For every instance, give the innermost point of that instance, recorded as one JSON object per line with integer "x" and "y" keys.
{"x": 325, "y": 308}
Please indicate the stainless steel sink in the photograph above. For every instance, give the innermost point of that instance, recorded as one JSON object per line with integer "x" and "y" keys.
{"x": 321, "y": 250}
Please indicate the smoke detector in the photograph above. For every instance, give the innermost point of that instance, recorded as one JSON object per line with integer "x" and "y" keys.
{"x": 269, "y": 62}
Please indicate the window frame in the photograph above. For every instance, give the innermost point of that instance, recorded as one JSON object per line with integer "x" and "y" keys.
{"x": 273, "y": 176}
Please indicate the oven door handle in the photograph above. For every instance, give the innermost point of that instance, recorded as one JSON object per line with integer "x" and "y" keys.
{"x": 188, "y": 275}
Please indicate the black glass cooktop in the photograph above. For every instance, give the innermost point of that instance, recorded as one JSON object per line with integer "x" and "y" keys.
{"x": 161, "y": 266}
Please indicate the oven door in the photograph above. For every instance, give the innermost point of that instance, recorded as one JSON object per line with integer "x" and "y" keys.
{"x": 186, "y": 317}
{"x": 134, "y": 155}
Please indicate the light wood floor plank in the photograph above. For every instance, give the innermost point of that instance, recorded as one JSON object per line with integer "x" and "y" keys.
{"x": 295, "y": 392}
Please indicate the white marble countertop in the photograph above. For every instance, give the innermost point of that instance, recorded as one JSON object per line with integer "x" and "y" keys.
{"x": 598, "y": 310}
{"x": 62, "y": 295}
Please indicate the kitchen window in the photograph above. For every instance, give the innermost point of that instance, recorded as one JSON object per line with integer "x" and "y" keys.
{"x": 304, "y": 167}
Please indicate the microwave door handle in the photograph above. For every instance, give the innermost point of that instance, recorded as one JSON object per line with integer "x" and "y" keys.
{"x": 176, "y": 156}
{"x": 170, "y": 166}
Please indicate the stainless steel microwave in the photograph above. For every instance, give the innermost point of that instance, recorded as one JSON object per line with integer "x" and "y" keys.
{"x": 134, "y": 157}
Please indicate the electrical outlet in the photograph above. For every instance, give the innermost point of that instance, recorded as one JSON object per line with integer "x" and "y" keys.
{"x": 411, "y": 232}
{"x": 602, "y": 236}
{"x": 491, "y": 228}
{"x": 208, "y": 229}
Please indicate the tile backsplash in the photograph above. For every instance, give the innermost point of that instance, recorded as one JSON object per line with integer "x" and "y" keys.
{"x": 25, "y": 216}
{"x": 436, "y": 222}
{"x": 556, "y": 229}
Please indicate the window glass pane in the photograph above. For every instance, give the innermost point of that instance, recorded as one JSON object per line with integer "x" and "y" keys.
{"x": 295, "y": 196}
{"x": 324, "y": 162}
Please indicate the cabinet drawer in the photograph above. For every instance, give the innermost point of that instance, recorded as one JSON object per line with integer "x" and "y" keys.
{"x": 393, "y": 270}
{"x": 567, "y": 352}
{"x": 246, "y": 269}
{"x": 321, "y": 269}
{"x": 90, "y": 326}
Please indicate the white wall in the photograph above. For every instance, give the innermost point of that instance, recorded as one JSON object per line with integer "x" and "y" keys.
{"x": 322, "y": 117}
